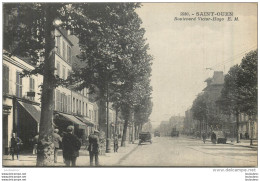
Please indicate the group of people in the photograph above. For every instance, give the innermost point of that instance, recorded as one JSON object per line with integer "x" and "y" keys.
{"x": 70, "y": 145}
{"x": 213, "y": 137}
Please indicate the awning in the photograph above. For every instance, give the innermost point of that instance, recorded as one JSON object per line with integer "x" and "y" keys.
{"x": 74, "y": 120}
{"x": 85, "y": 120}
{"x": 33, "y": 110}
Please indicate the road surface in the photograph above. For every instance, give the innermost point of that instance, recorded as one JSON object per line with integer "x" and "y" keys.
{"x": 184, "y": 151}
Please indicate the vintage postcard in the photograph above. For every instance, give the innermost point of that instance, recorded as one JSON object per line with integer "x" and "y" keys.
{"x": 130, "y": 85}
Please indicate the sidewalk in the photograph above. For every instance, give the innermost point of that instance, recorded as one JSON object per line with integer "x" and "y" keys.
{"x": 243, "y": 143}
{"x": 108, "y": 159}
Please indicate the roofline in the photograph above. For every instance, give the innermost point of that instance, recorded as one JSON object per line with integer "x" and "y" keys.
{"x": 13, "y": 56}
{"x": 66, "y": 37}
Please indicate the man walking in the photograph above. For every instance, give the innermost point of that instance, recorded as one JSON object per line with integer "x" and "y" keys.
{"x": 56, "y": 140}
{"x": 115, "y": 143}
{"x": 71, "y": 146}
{"x": 93, "y": 147}
{"x": 213, "y": 138}
{"x": 35, "y": 143}
{"x": 16, "y": 143}
{"x": 204, "y": 136}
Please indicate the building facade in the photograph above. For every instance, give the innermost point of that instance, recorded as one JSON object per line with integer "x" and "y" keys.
{"x": 72, "y": 107}
{"x": 21, "y": 101}
{"x": 22, "y": 97}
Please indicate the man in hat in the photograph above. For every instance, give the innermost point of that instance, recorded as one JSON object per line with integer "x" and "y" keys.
{"x": 94, "y": 147}
{"x": 16, "y": 143}
{"x": 71, "y": 146}
{"x": 56, "y": 140}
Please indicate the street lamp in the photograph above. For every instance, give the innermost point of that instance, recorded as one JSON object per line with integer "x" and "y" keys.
{"x": 108, "y": 68}
{"x": 108, "y": 150}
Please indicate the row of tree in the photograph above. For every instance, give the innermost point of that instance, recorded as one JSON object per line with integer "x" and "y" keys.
{"x": 238, "y": 95}
{"x": 115, "y": 63}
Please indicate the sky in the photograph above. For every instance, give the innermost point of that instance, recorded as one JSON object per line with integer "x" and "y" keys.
{"x": 183, "y": 50}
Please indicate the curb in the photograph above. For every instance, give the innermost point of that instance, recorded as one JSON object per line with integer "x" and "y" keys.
{"x": 125, "y": 156}
{"x": 243, "y": 145}
{"x": 254, "y": 147}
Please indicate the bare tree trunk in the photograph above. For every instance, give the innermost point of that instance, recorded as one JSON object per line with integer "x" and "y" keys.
{"x": 124, "y": 133}
{"x": 45, "y": 153}
{"x": 237, "y": 128}
{"x": 133, "y": 132}
{"x": 200, "y": 128}
{"x": 102, "y": 114}
{"x": 116, "y": 132}
{"x": 136, "y": 132}
{"x": 127, "y": 115}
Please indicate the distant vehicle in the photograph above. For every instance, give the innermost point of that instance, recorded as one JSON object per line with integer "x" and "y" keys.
{"x": 145, "y": 137}
{"x": 220, "y": 137}
{"x": 157, "y": 133}
{"x": 174, "y": 132}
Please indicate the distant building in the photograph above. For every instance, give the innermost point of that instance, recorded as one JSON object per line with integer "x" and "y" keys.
{"x": 177, "y": 122}
{"x": 224, "y": 122}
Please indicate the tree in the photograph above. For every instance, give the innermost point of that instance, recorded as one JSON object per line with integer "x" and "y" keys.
{"x": 31, "y": 34}
{"x": 199, "y": 109}
{"x": 239, "y": 94}
{"x": 114, "y": 53}
{"x": 248, "y": 83}
{"x": 230, "y": 100}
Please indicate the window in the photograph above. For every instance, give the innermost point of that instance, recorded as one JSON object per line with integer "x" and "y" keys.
{"x": 83, "y": 110}
{"x": 79, "y": 107}
{"x": 32, "y": 87}
{"x": 58, "y": 69}
{"x": 5, "y": 79}
{"x": 63, "y": 50}
{"x": 74, "y": 105}
{"x": 58, "y": 100}
{"x": 69, "y": 104}
{"x": 58, "y": 45}
{"x": 69, "y": 54}
{"x": 90, "y": 114}
{"x": 65, "y": 103}
{"x": 63, "y": 72}
{"x": 19, "y": 85}
{"x": 95, "y": 115}
{"x": 86, "y": 109}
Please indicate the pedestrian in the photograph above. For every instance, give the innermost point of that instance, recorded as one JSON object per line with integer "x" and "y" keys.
{"x": 71, "y": 146}
{"x": 93, "y": 148}
{"x": 115, "y": 143}
{"x": 246, "y": 135}
{"x": 16, "y": 144}
{"x": 56, "y": 140}
{"x": 35, "y": 143}
{"x": 213, "y": 137}
{"x": 204, "y": 136}
{"x": 241, "y": 136}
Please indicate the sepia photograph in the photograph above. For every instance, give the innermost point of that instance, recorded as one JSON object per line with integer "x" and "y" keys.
{"x": 130, "y": 84}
